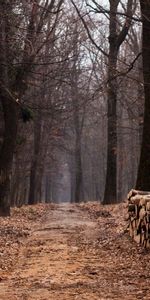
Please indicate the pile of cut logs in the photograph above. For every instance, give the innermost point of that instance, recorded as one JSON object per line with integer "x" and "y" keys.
{"x": 139, "y": 216}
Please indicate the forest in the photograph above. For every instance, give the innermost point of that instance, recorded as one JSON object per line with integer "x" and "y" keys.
{"x": 74, "y": 149}
{"x": 74, "y": 105}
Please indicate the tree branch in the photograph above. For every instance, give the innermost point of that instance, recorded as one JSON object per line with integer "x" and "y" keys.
{"x": 103, "y": 10}
{"x": 87, "y": 30}
{"x": 125, "y": 29}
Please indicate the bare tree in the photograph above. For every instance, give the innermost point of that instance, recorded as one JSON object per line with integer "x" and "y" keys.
{"x": 115, "y": 41}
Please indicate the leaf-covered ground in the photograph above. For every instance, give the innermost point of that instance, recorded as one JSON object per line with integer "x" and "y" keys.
{"x": 71, "y": 252}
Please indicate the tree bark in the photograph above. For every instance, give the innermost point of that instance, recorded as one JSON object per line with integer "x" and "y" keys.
{"x": 78, "y": 170}
{"x": 110, "y": 194}
{"x": 143, "y": 178}
{"x": 6, "y": 153}
{"x": 115, "y": 41}
{"x": 35, "y": 161}
{"x": 76, "y": 118}
{"x": 10, "y": 115}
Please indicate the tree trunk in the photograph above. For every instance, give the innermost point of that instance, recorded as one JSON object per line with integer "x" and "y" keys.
{"x": 110, "y": 194}
{"x": 78, "y": 170}
{"x": 76, "y": 119}
{"x": 9, "y": 108}
{"x": 6, "y": 153}
{"x": 48, "y": 189}
{"x": 35, "y": 161}
{"x": 115, "y": 41}
{"x": 143, "y": 178}
{"x": 72, "y": 178}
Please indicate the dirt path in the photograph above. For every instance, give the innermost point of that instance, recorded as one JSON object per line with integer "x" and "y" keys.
{"x": 73, "y": 256}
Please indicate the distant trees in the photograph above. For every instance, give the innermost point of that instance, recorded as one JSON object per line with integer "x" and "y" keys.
{"x": 75, "y": 71}
{"x": 120, "y": 17}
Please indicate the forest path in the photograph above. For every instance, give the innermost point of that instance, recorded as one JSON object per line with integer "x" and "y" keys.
{"x": 78, "y": 255}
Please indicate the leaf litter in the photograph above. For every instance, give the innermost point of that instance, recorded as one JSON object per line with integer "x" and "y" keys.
{"x": 71, "y": 251}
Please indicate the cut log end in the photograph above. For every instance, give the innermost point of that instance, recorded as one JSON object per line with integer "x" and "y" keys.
{"x": 138, "y": 209}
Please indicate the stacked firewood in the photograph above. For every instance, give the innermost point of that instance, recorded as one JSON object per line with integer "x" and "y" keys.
{"x": 139, "y": 216}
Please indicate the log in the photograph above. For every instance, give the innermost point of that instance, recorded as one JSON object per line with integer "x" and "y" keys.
{"x": 138, "y": 208}
{"x": 136, "y": 192}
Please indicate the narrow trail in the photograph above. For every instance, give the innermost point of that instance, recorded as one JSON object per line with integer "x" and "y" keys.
{"x": 72, "y": 256}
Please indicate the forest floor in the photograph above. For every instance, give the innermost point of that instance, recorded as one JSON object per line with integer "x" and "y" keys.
{"x": 71, "y": 252}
